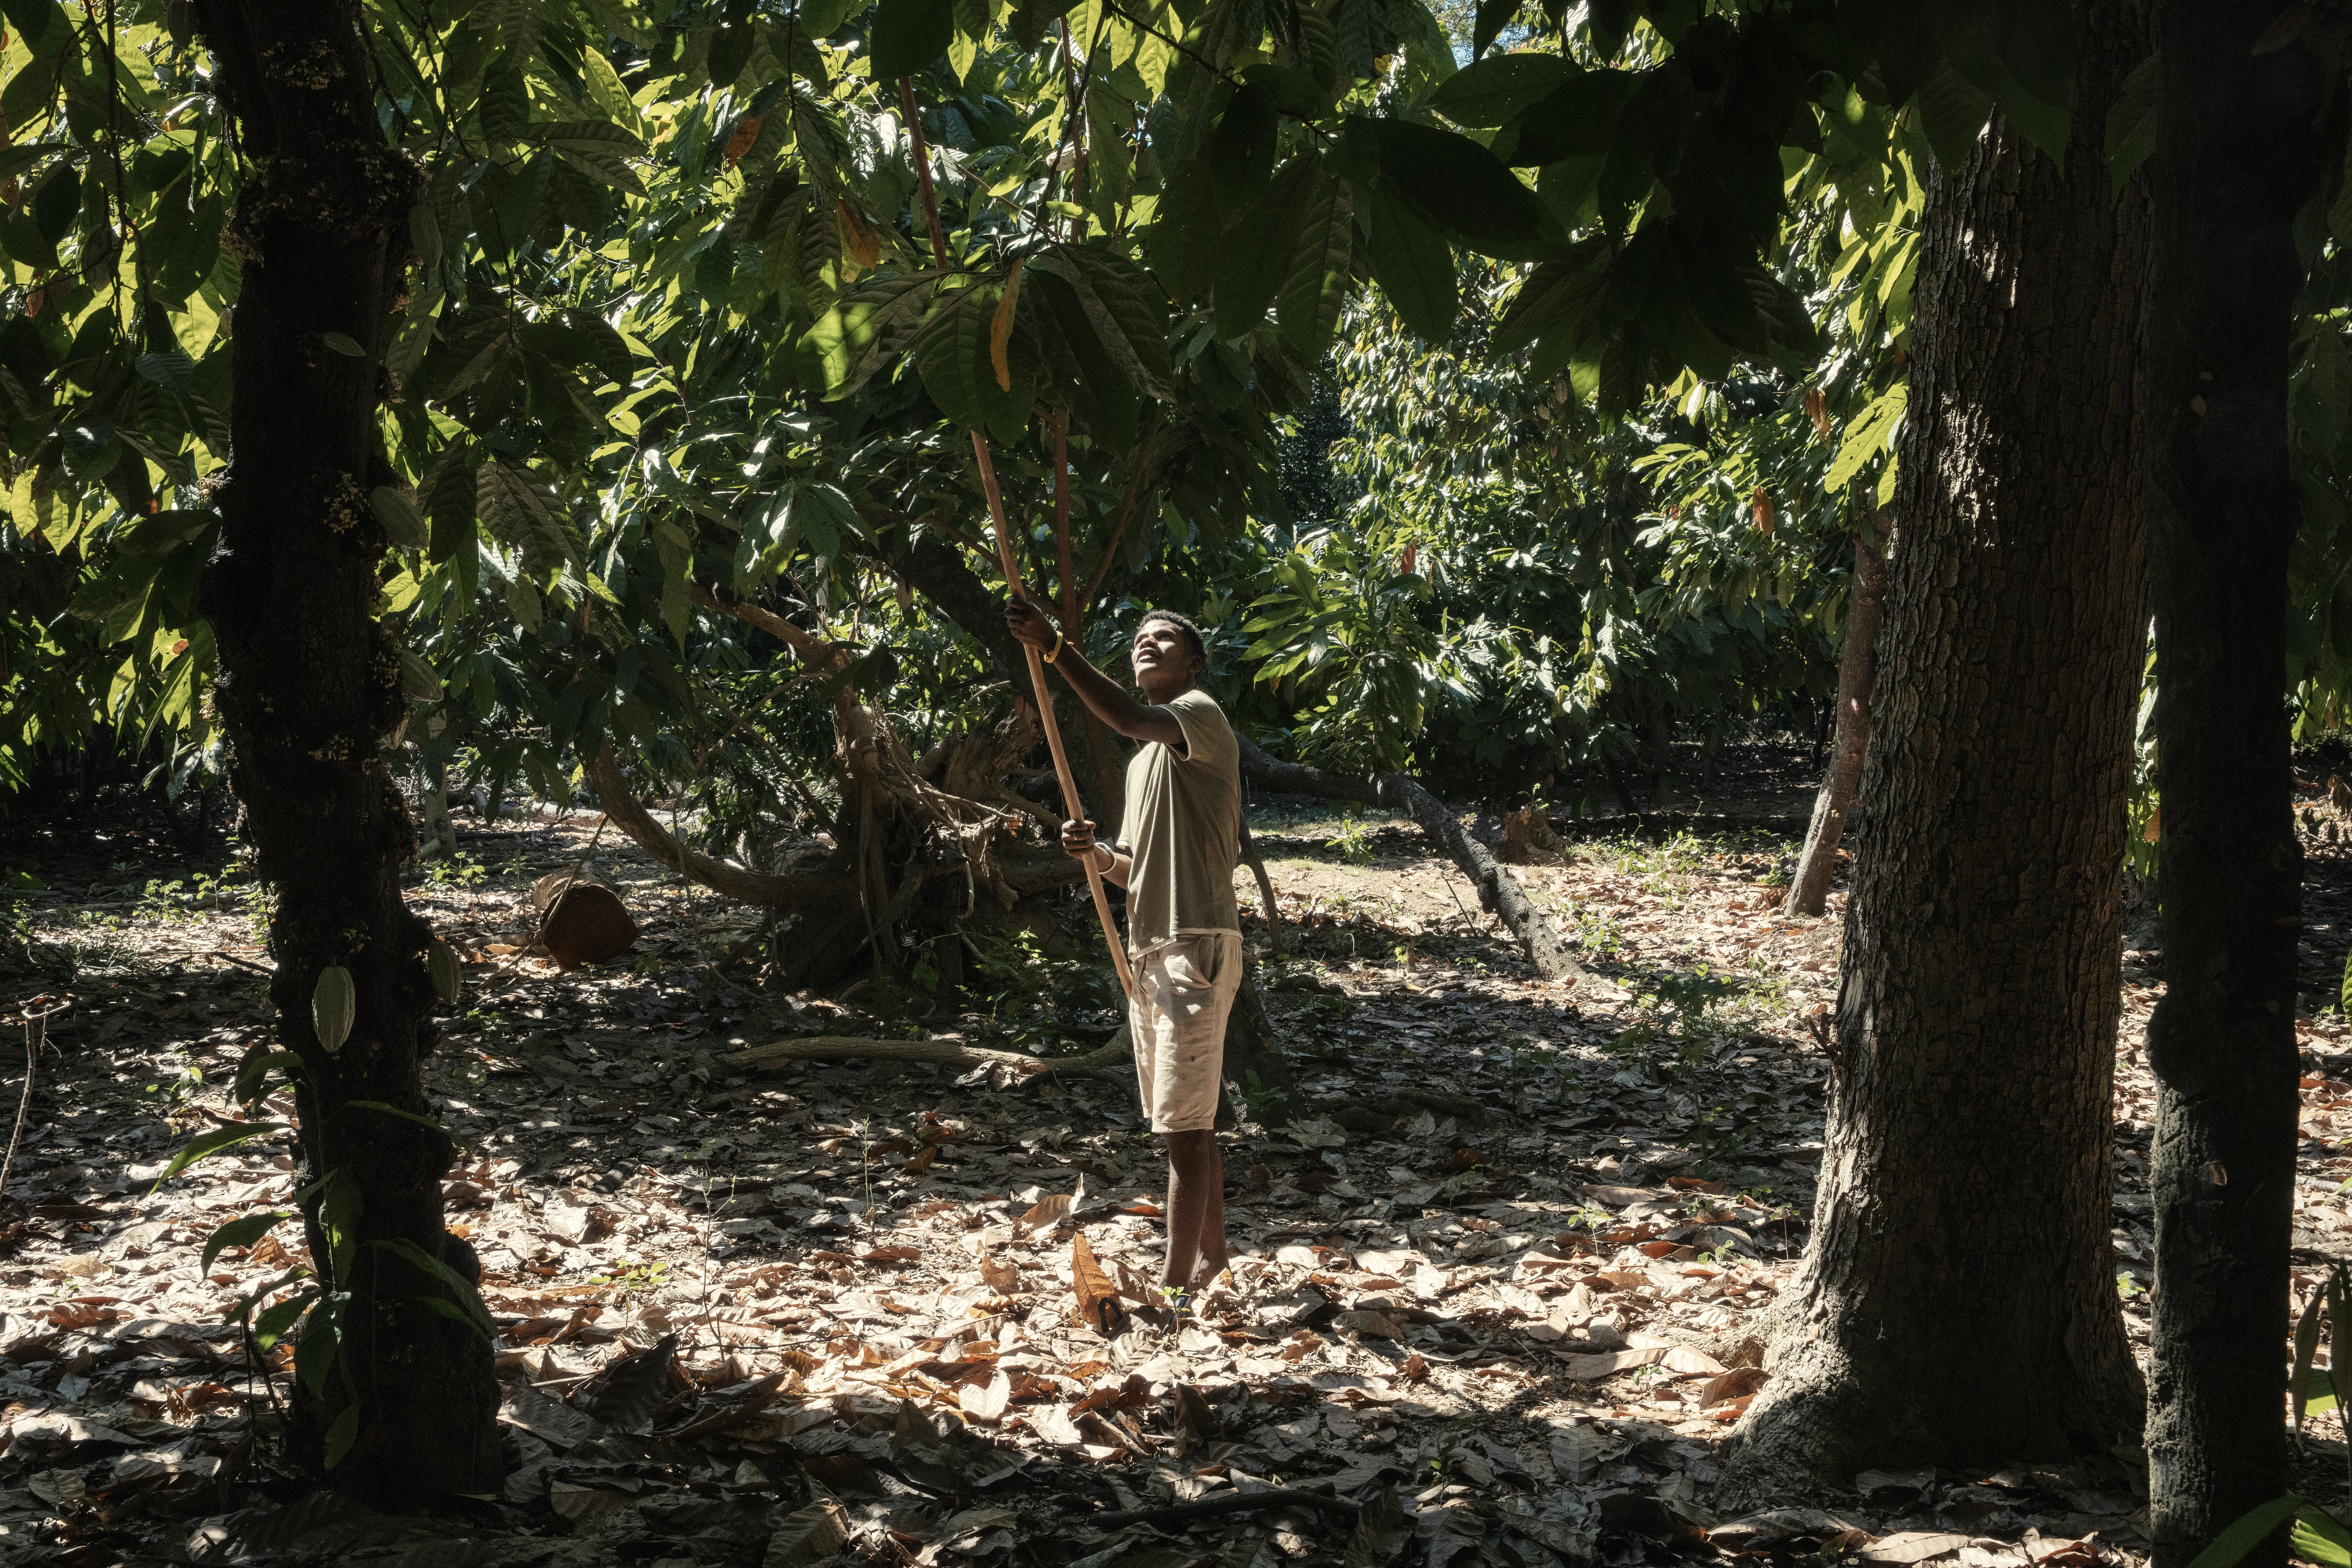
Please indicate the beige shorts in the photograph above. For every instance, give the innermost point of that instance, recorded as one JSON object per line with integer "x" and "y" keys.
{"x": 1184, "y": 989}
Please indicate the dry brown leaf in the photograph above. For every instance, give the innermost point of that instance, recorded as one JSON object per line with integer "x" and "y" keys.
{"x": 1730, "y": 1386}
{"x": 808, "y": 1535}
{"x": 893, "y": 1252}
{"x": 1054, "y": 1426}
{"x": 1098, "y": 1307}
{"x": 1593, "y": 1368}
{"x": 1195, "y": 1415}
{"x": 1044, "y": 1214}
{"x": 1912, "y": 1546}
{"x": 999, "y": 1276}
{"x": 985, "y": 1402}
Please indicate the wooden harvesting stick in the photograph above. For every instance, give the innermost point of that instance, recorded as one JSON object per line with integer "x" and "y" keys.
{"x": 1045, "y": 695}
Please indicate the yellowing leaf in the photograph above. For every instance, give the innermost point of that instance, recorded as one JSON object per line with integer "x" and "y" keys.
{"x": 864, "y": 243}
{"x": 1000, "y": 330}
{"x": 747, "y": 132}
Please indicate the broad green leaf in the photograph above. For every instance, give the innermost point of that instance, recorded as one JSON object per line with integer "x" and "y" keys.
{"x": 1493, "y": 16}
{"x": 1186, "y": 239}
{"x": 2306, "y": 1346}
{"x": 1133, "y": 331}
{"x": 953, "y": 356}
{"x": 341, "y": 1206}
{"x": 2020, "y": 56}
{"x": 468, "y": 1298}
{"x": 2247, "y": 1531}
{"x": 1576, "y": 119}
{"x": 1458, "y": 183}
{"x": 1311, "y": 297}
{"x": 1095, "y": 386}
{"x": 2321, "y": 1537}
{"x": 321, "y": 1342}
{"x": 1952, "y": 111}
{"x": 1261, "y": 249}
{"x": 1411, "y": 263}
{"x": 381, "y": 1108}
{"x": 279, "y": 1316}
{"x": 597, "y": 147}
{"x": 342, "y": 1434}
{"x": 213, "y": 1142}
{"x": 512, "y": 506}
{"x": 2132, "y": 122}
{"x": 858, "y": 337}
{"x": 395, "y": 512}
{"x": 243, "y": 1231}
{"x": 909, "y": 35}
{"x": 253, "y": 1071}
{"x": 1492, "y": 90}
{"x": 1866, "y": 435}
{"x": 1241, "y": 154}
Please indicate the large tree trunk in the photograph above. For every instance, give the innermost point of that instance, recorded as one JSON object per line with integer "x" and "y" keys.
{"x": 1958, "y": 1304}
{"x": 1857, "y": 667}
{"x": 2235, "y": 160}
{"x": 308, "y": 691}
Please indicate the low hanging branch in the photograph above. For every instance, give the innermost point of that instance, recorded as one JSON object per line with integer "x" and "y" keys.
{"x": 1498, "y": 890}
{"x": 1070, "y": 801}
{"x": 782, "y": 889}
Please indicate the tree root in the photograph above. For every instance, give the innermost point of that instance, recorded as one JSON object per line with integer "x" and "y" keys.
{"x": 950, "y": 1053}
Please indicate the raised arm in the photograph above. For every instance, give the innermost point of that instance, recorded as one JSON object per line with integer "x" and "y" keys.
{"x": 1102, "y": 696}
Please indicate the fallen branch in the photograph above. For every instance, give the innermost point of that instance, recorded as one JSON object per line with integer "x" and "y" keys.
{"x": 950, "y": 1053}
{"x": 1222, "y": 1504}
{"x": 1256, "y": 863}
{"x": 1498, "y": 891}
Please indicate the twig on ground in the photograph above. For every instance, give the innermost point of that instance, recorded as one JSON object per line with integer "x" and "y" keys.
{"x": 37, "y": 1034}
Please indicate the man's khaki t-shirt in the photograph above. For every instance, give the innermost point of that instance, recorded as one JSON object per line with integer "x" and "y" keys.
{"x": 1183, "y": 825}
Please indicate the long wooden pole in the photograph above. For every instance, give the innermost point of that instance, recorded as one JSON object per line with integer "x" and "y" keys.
{"x": 1070, "y": 799}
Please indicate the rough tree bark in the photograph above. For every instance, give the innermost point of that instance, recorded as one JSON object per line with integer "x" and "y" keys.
{"x": 1809, "y": 893}
{"x": 1498, "y": 890}
{"x": 2236, "y": 159}
{"x": 309, "y": 688}
{"x": 1957, "y": 1303}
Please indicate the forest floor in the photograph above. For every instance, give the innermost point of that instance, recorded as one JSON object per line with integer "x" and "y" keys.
{"x": 1505, "y": 1260}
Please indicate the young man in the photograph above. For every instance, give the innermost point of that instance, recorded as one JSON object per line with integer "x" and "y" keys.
{"x": 1182, "y": 829}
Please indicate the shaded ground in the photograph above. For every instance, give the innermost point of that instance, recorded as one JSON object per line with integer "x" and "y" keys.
{"x": 1504, "y": 1264}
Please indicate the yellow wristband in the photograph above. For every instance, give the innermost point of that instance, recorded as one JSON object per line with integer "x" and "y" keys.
{"x": 1058, "y": 647}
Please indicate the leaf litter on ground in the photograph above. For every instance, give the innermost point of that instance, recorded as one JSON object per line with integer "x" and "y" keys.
{"x": 872, "y": 1315}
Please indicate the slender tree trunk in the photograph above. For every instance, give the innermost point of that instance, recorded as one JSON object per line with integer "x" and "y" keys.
{"x": 2236, "y": 159}
{"x": 1856, "y": 664}
{"x": 1498, "y": 890}
{"x": 1958, "y": 1305}
{"x": 309, "y": 689}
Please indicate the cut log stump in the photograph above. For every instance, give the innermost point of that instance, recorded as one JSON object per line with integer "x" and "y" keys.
{"x": 587, "y": 924}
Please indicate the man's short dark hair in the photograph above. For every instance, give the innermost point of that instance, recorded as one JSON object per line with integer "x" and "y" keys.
{"x": 1184, "y": 623}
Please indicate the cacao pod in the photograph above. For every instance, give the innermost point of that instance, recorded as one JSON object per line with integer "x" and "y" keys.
{"x": 442, "y": 960}
{"x": 335, "y": 1004}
